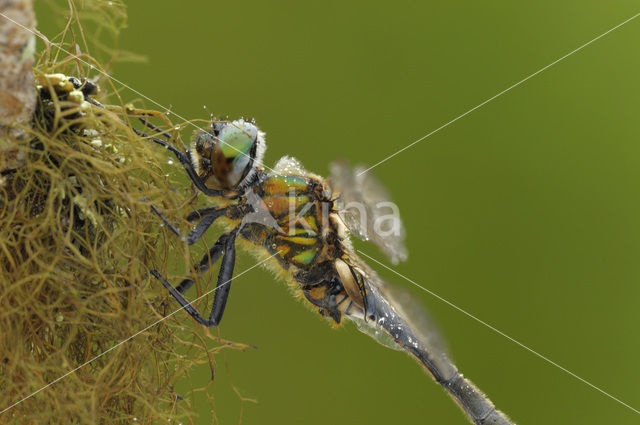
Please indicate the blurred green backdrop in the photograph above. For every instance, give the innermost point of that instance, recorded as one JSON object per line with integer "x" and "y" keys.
{"x": 524, "y": 213}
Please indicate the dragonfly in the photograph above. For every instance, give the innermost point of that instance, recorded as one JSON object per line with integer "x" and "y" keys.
{"x": 301, "y": 223}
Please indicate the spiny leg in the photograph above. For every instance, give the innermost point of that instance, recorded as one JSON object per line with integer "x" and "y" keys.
{"x": 206, "y": 215}
{"x": 207, "y": 261}
{"x": 204, "y": 224}
{"x": 224, "y": 280}
{"x": 184, "y": 158}
{"x": 199, "y": 213}
{"x": 225, "y": 243}
{"x": 158, "y": 130}
{"x": 170, "y": 226}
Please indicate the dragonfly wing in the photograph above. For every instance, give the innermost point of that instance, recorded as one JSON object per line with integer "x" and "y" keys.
{"x": 416, "y": 316}
{"x": 387, "y": 298}
{"x": 366, "y": 209}
{"x": 289, "y": 165}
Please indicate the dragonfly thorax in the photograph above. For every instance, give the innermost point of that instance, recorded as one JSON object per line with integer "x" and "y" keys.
{"x": 227, "y": 155}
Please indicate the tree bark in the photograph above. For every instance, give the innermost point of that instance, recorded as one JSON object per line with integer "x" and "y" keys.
{"x": 17, "y": 92}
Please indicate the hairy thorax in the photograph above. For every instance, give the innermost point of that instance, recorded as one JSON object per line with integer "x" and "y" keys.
{"x": 294, "y": 220}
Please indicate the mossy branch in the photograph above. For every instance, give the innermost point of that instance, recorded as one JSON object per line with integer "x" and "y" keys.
{"x": 17, "y": 94}
{"x": 77, "y": 238}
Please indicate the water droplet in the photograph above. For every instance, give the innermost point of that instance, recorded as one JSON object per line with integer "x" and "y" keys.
{"x": 177, "y": 127}
{"x": 170, "y": 162}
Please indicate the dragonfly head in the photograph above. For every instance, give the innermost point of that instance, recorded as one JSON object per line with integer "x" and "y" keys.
{"x": 228, "y": 154}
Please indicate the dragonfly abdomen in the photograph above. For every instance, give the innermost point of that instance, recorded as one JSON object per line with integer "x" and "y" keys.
{"x": 383, "y": 317}
{"x": 477, "y": 406}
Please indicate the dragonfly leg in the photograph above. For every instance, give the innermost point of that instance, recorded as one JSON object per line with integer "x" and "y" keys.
{"x": 155, "y": 128}
{"x": 207, "y": 261}
{"x": 226, "y": 245}
{"x": 185, "y": 160}
{"x": 224, "y": 280}
{"x": 200, "y": 213}
{"x": 170, "y": 226}
{"x": 183, "y": 157}
{"x": 208, "y": 216}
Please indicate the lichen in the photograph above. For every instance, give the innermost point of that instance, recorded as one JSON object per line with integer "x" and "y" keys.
{"x": 82, "y": 335}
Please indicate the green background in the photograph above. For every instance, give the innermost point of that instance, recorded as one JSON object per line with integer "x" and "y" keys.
{"x": 524, "y": 212}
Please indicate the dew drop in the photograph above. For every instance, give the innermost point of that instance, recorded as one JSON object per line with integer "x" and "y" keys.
{"x": 170, "y": 162}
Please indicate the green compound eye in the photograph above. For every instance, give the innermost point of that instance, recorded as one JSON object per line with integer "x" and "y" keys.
{"x": 227, "y": 155}
{"x": 237, "y": 139}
